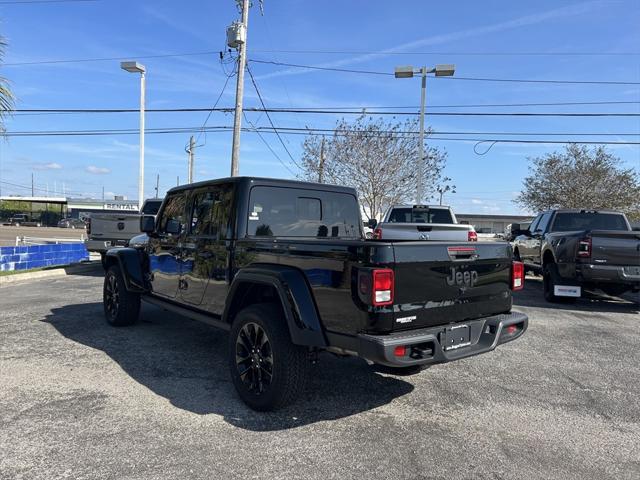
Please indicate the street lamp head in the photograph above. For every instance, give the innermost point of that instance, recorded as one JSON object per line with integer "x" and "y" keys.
{"x": 445, "y": 70}
{"x": 132, "y": 67}
{"x": 405, "y": 71}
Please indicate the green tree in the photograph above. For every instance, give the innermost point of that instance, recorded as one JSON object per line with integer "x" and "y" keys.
{"x": 580, "y": 177}
{"x": 376, "y": 157}
{"x": 6, "y": 96}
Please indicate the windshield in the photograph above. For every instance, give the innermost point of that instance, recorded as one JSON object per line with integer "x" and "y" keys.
{"x": 151, "y": 207}
{"x": 572, "y": 221}
{"x": 420, "y": 215}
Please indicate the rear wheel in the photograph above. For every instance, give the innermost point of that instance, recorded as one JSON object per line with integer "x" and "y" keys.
{"x": 551, "y": 278}
{"x": 267, "y": 369}
{"x": 121, "y": 307}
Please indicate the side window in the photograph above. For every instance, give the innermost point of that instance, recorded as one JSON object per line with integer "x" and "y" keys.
{"x": 544, "y": 222}
{"x": 534, "y": 224}
{"x": 210, "y": 212}
{"x": 173, "y": 212}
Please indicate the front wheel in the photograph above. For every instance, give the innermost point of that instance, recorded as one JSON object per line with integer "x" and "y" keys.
{"x": 267, "y": 369}
{"x": 121, "y": 307}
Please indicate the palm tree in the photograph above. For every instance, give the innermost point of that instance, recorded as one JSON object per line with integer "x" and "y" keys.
{"x": 6, "y": 97}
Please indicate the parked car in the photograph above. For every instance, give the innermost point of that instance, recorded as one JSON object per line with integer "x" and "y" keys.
{"x": 107, "y": 230}
{"x": 423, "y": 222}
{"x": 510, "y": 233}
{"x": 284, "y": 266}
{"x": 575, "y": 249}
{"x": 72, "y": 223}
{"x": 23, "y": 220}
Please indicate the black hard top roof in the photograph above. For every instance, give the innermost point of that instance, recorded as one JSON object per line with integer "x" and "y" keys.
{"x": 271, "y": 182}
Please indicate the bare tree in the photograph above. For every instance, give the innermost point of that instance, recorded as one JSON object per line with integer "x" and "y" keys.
{"x": 378, "y": 158}
{"x": 580, "y": 177}
{"x": 6, "y": 97}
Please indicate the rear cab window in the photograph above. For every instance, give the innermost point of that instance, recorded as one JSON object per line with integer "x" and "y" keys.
{"x": 302, "y": 213}
{"x": 421, "y": 215}
{"x": 575, "y": 221}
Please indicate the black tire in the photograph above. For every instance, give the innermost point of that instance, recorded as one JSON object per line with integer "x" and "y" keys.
{"x": 551, "y": 278}
{"x": 121, "y": 307}
{"x": 267, "y": 369}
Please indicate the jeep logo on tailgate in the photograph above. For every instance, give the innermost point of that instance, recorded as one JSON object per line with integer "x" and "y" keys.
{"x": 462, "y": 279}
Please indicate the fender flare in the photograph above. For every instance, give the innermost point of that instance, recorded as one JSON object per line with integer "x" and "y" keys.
{"x": 130, "y": 263}
{"x": 295, "y": 295}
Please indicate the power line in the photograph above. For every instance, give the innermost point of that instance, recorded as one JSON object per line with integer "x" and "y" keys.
{"x": 255, "y": 86}
{"x": 264, "y": 140}
{"x": 479, "y": 54}
{"x": 211, "y": 110}
{"x": 478, "y": 79}
{"x": 109, "y": 59}
{"x": 25, "y": 2}
{"x": 335, "y": 110}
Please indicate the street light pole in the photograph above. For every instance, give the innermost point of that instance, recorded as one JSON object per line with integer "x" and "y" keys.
{"x": 409, "y": 72}
{"x": 135, "y": 67}
{"x": 423, "y": 96}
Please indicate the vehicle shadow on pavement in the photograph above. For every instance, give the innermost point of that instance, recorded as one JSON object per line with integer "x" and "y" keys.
{"x": 186, "y": 363}
{"x": 532, "y": 296}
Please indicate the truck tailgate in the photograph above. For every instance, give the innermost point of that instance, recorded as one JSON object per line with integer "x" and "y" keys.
{"x": 460, "y": 281}
{"x": 114, "y": 226}
{"x": 615, "y": 248}
{"x": 425, "y": 231}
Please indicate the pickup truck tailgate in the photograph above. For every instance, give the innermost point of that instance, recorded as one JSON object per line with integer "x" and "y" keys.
{"x": 615, "y": 248}
{"x": 460, "y": 281}
{"x": 425, "y": 231}
{"x": 114, "y": 226}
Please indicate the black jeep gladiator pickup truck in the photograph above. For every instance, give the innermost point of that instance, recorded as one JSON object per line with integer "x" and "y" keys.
{"x": 580, "y": 248}
{"x": 285, "y": 267}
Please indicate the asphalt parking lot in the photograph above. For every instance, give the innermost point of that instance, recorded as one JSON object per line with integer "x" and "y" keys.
{"x": 79, "y": 399}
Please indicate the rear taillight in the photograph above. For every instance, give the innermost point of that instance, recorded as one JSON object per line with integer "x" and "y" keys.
{"x": 377, "y": 234}
{"x": 382, "y": 287}
{"x": 584, "y": 248}
{"x": 472, "y": 236}
{"x": 517, "y": 276}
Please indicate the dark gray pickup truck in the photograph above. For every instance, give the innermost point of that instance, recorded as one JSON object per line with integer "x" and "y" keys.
{"x": 284, "y": 266}
{"x": 576, "y": 249}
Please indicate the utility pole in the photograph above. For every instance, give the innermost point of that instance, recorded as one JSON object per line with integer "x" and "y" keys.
{"x": 178, "y": 181}
{"x": 321, "y": 166}
{"x": 239, "y": 42}
{"x": 32, "y": 186}
{"x": 423, "y": 96}
{"x": 157, "y": 184}
{"x": 191, "y": 152}
{"x": 103, "y": 193}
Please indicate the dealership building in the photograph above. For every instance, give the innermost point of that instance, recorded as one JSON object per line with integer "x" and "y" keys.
{"x": 485, "y": 223}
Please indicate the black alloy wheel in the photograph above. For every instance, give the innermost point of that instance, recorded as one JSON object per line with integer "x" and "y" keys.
{"x": 111, "y": 296}
{"x": 254, "y": 358}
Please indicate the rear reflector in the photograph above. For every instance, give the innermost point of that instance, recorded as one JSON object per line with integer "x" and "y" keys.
{"x": 382, "y": 287}
{"x": 510, "y": 329}
{"x": 377, "y": 234}
{"x": 400, "y": 351}
{"x": 472, "y": 236}
{"x": 517, "y": 276}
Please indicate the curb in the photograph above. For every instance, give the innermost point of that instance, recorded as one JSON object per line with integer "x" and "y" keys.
{"x": 62, "y": 271}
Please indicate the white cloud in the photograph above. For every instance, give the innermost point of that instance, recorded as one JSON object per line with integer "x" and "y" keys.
{"x": 47, "y": 166}
{"x": 476, "y": 201}
{"x": 92, "y": 169}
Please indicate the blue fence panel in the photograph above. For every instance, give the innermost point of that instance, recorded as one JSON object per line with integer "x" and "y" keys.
{"x": 38, "y": 256}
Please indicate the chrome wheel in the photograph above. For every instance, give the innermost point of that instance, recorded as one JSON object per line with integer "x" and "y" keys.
{"x": 254, "y": 358}
{"x": 112, "y": 296}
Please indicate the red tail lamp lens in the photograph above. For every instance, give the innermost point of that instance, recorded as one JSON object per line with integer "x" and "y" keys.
{"x": 511, "y": 329}
{"x": 517, "y": 276}
{"x": 382, "y": 287}
{"x": 400, "y": 351}
{"x": 472, "y": 236}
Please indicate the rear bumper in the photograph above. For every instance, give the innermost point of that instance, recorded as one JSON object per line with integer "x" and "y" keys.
{"x": 103, "y": 245}
{"x": 607, "y": 274}
{"x": 424, "y": 346}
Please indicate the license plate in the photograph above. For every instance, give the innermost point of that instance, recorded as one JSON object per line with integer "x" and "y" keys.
{"x": 631, "y": 271}
{"x": 567, "y": 291}
{"x": 456, "y": 336}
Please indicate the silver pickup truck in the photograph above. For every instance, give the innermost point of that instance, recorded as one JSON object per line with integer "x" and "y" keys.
{"x": 423, "y": 222}
{"x": 108, "y": 230}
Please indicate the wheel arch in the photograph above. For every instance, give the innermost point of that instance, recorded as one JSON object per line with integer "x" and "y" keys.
{"x": 285, "y": 286}
{"x": 130, "y": 263}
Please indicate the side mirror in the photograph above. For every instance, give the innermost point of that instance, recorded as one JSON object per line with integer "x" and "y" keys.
{"x": 373, "y": 223}
{"x": 173, "y": 227}
{"x": 147, "y": 223}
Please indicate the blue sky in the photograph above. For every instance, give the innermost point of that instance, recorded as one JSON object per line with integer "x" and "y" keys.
{"x": 418, "y": 33}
